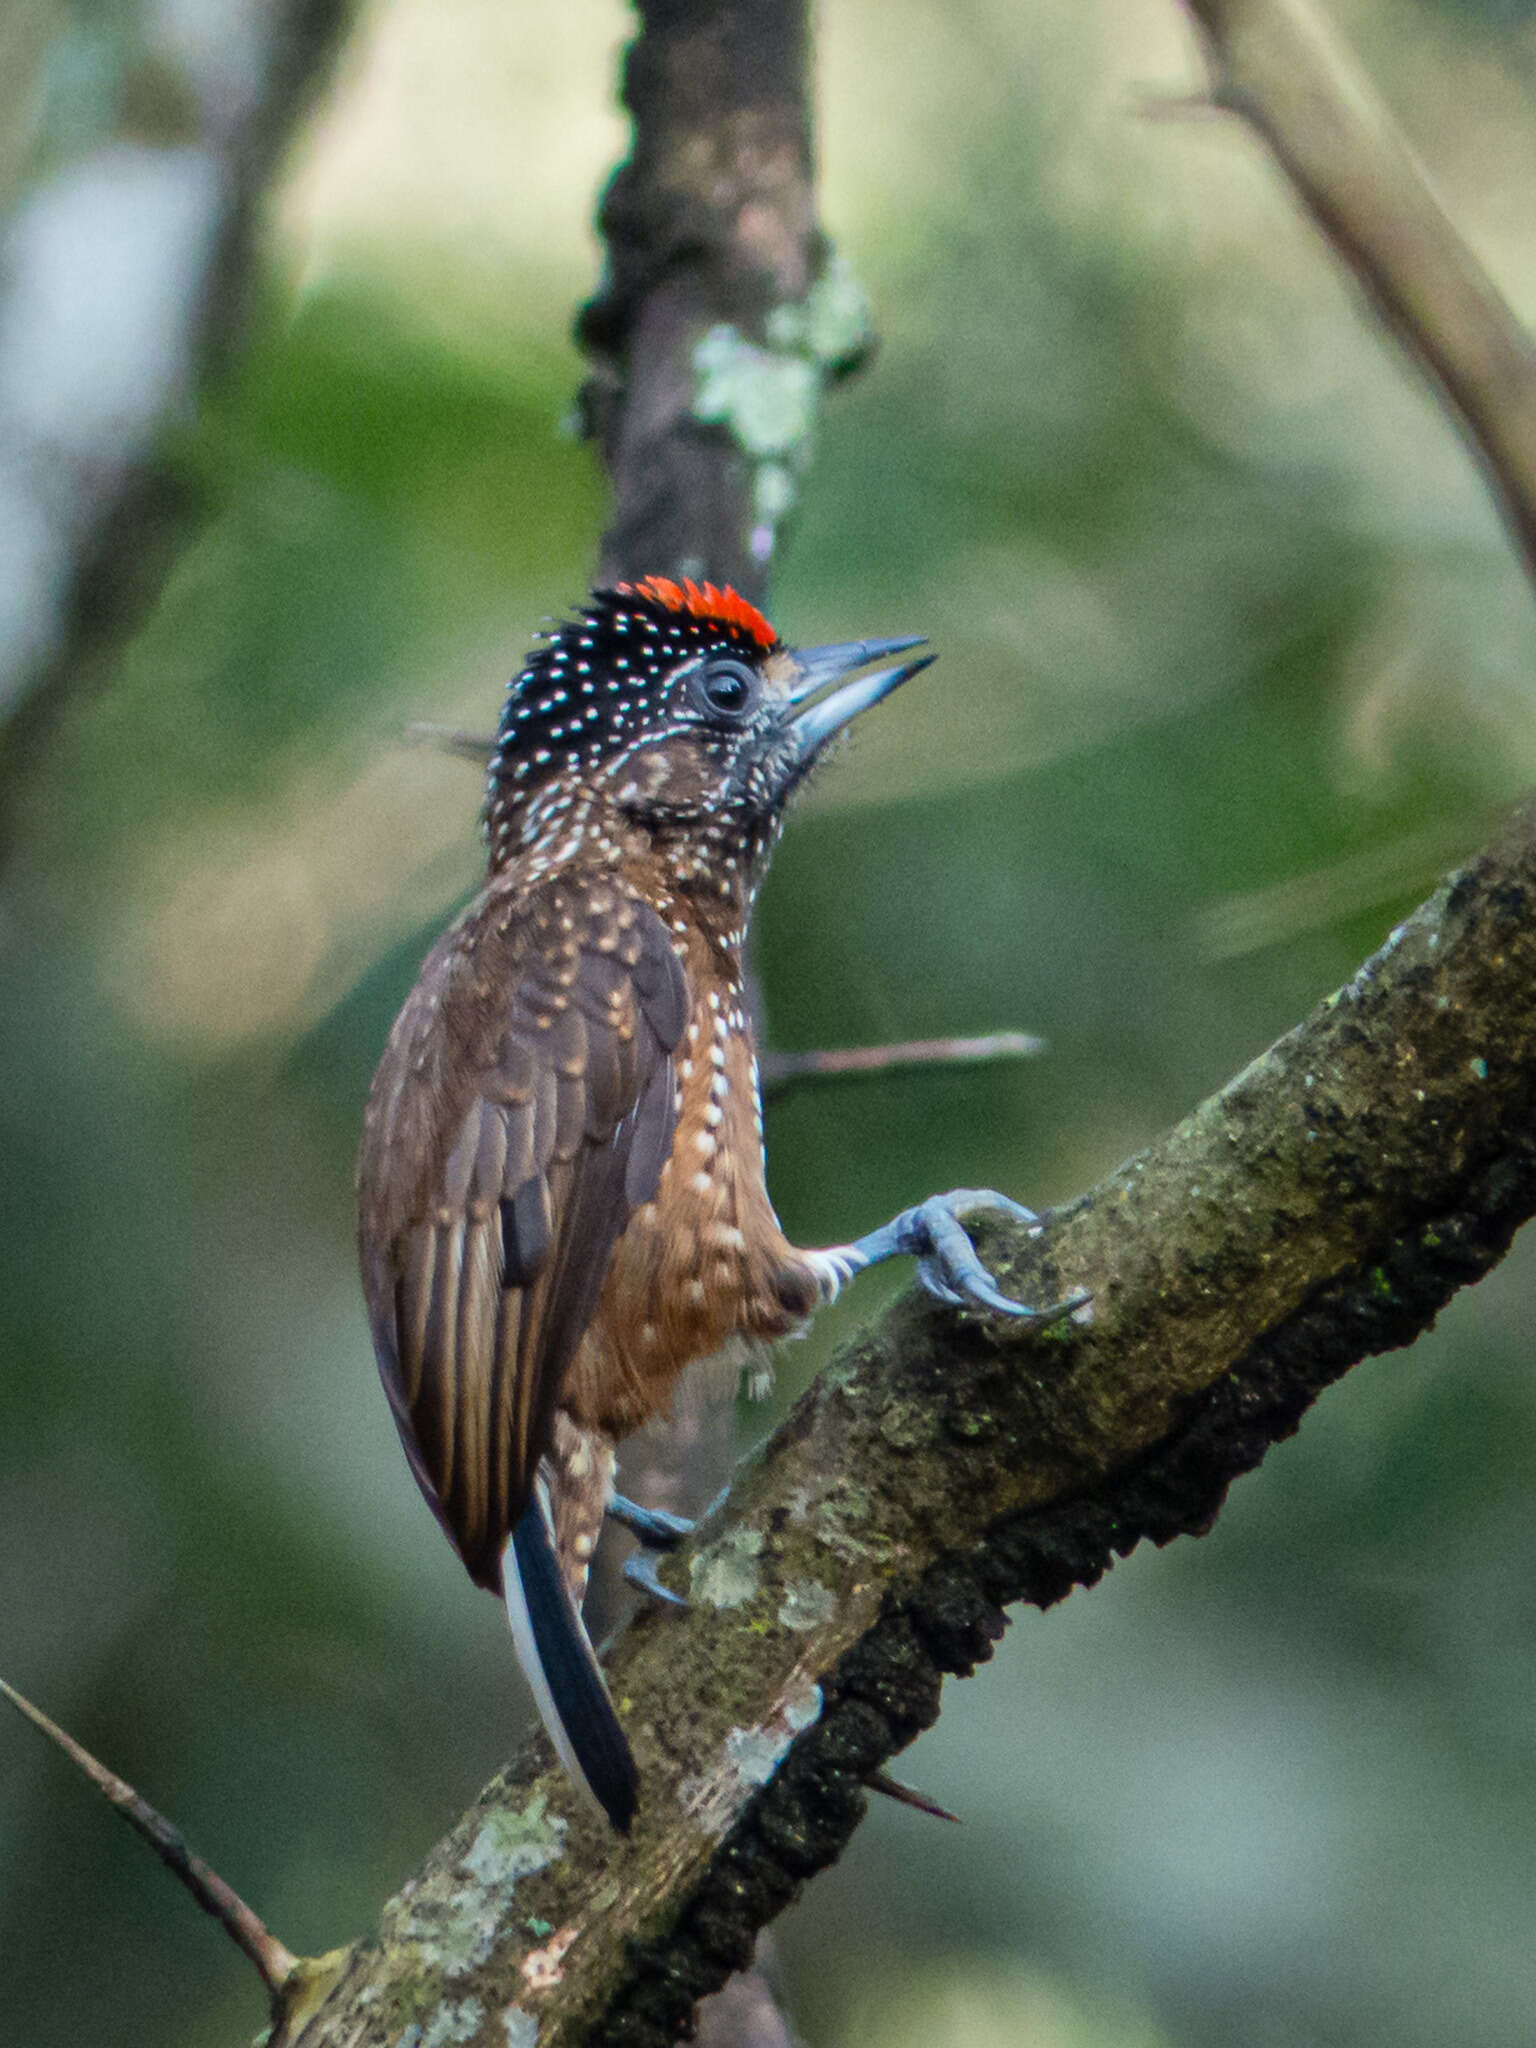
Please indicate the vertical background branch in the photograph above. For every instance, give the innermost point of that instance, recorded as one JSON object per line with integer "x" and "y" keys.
{"x": 710, "y": 224}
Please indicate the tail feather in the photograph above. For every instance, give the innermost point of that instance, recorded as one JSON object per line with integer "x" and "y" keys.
{"x": 558, "y": 1661}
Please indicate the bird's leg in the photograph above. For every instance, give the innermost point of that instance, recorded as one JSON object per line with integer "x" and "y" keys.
{"x": 947, "y": 1263}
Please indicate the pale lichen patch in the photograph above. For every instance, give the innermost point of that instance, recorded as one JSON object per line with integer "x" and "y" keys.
{"x": 806, "y": 1604}
{"x": 843, "y": 1524}
{"x": 753, "y": 1754}
{"x": 458, "y": 1933}
{"x": 802, "y": 1706}
{"x": 451, "y": 2023}
{"x": 748, "y": 1759}
{"x": 515, "y": 1843}
{"x": 450, "y": 1919}
{"x": 726, "y": 1573}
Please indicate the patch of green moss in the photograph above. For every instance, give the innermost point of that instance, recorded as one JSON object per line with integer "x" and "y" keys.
{"x": 904, "y": 1425}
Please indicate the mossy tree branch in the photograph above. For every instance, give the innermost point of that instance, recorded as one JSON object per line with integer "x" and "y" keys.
{"x": 1322, "y": 1207}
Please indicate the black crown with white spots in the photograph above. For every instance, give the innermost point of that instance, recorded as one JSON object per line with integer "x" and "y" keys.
{"x": 599, "y": 687}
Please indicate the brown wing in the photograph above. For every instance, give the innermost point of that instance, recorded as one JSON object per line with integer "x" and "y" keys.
{"x": 524, "y": 1107}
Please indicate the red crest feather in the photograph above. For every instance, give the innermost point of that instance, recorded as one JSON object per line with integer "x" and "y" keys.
{"x": 704, "y": 601}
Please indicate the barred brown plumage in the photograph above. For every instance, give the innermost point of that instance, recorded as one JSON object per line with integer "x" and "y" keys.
{"x": 561, "y": 1187}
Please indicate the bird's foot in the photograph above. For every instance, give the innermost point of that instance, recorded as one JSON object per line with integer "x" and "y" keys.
{"x": 640, "y": 1571}
{"x": 656, "y": 1529}
{"x": 947, "y": 1264}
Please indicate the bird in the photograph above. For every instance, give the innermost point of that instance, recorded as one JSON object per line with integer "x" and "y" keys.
{"x": 562, "y": 1195}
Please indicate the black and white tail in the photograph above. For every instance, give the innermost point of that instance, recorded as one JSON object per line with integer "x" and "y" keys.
{"x": 558, "y": 1661}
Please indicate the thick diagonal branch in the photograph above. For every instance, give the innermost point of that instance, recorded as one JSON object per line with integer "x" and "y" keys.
{"x": 1321, "y": 1207}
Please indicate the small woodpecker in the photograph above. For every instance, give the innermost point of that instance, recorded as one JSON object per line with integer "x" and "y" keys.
{"x": 561, "y": 1192}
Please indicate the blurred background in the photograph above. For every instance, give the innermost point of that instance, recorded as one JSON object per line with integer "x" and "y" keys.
{"x": 1236, "y": 658}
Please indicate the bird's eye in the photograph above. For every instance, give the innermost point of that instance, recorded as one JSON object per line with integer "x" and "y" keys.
{"x": 724, "y": 690}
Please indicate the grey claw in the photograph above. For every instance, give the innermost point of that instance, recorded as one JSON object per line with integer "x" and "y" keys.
{"x": 947, "y": 1264}
{"x": 970, "y": 1201}
{"x": 989, "y": 1296}
{"x": 640, "y": 1570}
{"x": 656, "y": 1529}
{"x": 930, "y": 1276}
{"x": 950, "y": 1269}
{"x": 1060, "y": 1310}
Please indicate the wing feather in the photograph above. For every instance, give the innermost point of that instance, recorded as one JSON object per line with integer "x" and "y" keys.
{"x": 652, "y": 1127}
{"x": 546, "y": 1110}
{"x": 527, "y": 1229}
{"x": 662, "y": 991}
{"x": 479, "y": 1289}
{"x": 608, "y": 1003}
{"x": 460, "y": 1165}
{"x": 504, "y": 1381}
{"x": 524, "y": 1107}
{"x": 432, "y": 1411}
{"x": 518, "y": 1161}
{"x": 413, "y": 1303}
{"x": 488, "y": 1175}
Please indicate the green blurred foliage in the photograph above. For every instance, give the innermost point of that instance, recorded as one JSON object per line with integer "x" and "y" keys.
{"x": 1235, "y": 658}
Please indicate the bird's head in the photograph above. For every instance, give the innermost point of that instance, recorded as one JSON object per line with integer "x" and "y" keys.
{"x": 676, "y": 709}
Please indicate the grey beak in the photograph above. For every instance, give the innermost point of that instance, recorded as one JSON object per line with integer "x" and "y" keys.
{"x": 817, "y": 723}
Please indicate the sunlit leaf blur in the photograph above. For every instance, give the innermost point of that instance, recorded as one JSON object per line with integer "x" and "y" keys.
{"x": 1235, "y": 660}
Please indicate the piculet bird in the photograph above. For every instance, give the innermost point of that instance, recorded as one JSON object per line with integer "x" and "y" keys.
{"x": 561, "y": 1187}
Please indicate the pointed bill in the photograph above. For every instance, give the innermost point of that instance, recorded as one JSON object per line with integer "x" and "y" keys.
{"x": 819, "y": 721}
{"x": 822, "y": 665}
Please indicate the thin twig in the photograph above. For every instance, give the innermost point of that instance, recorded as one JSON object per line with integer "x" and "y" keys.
{"x": 452, "y": 739}
{"x": 1176, "y": 106}
{"x": 1281, "y": 67}
{"x": 273, "y": 1961}
{"x": 782, "y": 1070}
{"x": 908, "y": 1795}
